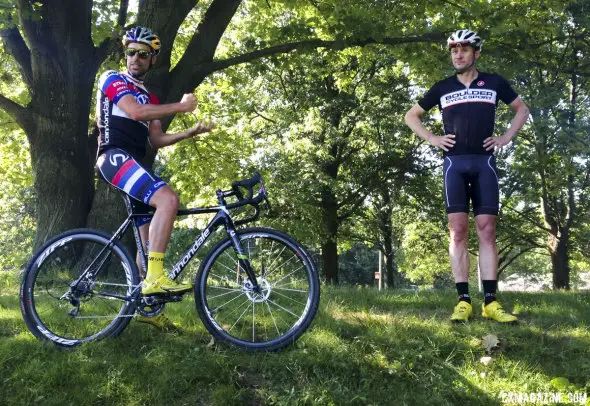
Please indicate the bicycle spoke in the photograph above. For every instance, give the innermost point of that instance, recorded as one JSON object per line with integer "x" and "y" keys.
{"x": 225, "y": 279}
{"x": 226, "y": 293}
{"x": 290, "y": 290}
{"x": 228, "y": 302}
{"x": 286, "y": 276}
{"x": 274, "y": 313}
{"x": 92, "y": 308}
{"x": 239, "y": 318}
{"x": 273, "y": 319}
{"x": 281, "y": 307}
{"x": 288, "y": 297}
{"x": 276, "y": 259}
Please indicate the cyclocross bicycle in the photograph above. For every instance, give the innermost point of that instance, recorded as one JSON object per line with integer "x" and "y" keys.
{"x": 257, "y": 288}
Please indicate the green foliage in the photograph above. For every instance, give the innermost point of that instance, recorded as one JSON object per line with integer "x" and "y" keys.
{"x": 358, "y": 265}
{"x": 17, "y": 225}
{"x": 294, "y": 116}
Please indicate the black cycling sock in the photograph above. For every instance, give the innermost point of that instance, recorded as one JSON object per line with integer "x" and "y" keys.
{"x": 463, "y": 291}
{"x": 489, "y": 291}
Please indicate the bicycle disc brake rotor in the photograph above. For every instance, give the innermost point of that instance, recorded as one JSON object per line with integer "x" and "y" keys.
{"x": 257, "y": 297}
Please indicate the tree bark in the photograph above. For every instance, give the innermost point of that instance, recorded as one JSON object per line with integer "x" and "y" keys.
{"x": 329, "y": 245}
{"x": 558, "y": 247}
{"x": 59, "y": 65}
{"x": 386, "y": 230}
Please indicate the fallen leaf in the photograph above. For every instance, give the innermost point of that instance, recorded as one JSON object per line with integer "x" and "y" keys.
{"x": 489, "y": 342}
{"x": 486, "y": 360}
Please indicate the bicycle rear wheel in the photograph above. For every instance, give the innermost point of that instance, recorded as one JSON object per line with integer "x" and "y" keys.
{"x": 67, "y": 314}
{"x": 268, "y": 319}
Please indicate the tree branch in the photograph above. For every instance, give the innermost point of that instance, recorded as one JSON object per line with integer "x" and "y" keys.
{"x": 15, "y": 45}
{"x": 505, "y": 262}
{"x": 531, "y": 221}
{"x": 17, "y": 111}
{"x": 109, "y": 45}
{"x": 27, "y": 16}
{"x": 204, "y": 42}
{"x": 122, "y": 17}
{"x": 312, "y": 44}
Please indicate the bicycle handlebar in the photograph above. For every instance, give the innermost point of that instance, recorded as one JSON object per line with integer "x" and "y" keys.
{"x": 247, "y": 184}
{"x": 250, "y": 199}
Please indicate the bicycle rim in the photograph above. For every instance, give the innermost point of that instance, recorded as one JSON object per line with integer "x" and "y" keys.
{"x": 68, "y": 315}
{"x": 271, "y": 318}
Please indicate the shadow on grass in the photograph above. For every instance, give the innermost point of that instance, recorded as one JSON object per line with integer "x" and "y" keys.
{"x": 550, "y": 341}
{"x": 364, "y": 347}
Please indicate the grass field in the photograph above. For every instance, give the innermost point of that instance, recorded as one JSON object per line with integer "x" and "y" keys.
{"x": 365, "y": 348}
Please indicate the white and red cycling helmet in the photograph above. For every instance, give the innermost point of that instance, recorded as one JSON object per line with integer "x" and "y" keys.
{"x": 464, "y": 38}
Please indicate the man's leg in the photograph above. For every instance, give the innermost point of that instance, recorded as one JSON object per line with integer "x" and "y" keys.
{"x": 459, "y": 257}
{"x": 459, "y": 230}
{"x": 165, "y": 201}
{"x": 485, "y": 225}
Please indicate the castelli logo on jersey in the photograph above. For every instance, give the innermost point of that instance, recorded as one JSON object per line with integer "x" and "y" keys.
{"x": 481, "y": 83}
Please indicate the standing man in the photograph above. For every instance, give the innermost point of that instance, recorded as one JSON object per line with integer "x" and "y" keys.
{"x": 468, "y": 101}
{"x": 128, "y": 117}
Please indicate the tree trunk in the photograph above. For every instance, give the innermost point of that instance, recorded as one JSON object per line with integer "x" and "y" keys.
{"x": 330, "y": 261}
{"x": 58, "y": 62}
{"x": 63, "y": 177}
{"x": 386, "y": 230}
{"x": 61, "y": 151}
{"x": 558, "y": 247}
{"x": 329, "y": 246}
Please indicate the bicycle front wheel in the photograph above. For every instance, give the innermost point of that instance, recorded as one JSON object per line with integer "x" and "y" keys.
{"x": 267, "y": 319}
{"x": 78, "y": 288}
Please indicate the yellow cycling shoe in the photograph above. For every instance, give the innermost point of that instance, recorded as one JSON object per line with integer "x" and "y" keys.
{"x": 164, "y": 286}
{"x": 462, "y": 312}
{"x": 494, "y": 311}
{"x": 160, "y": 321}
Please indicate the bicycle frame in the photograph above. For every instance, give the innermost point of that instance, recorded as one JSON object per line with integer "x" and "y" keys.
{"x": 136, "y": 209}
{"x": 222, "y": 217}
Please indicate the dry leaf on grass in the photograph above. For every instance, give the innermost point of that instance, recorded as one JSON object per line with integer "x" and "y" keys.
{"x": 489, "y": 342}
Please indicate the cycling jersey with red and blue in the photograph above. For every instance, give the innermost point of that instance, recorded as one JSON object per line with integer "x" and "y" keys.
{"x": 469, "y": 112}
{"x": 117, "y": 129}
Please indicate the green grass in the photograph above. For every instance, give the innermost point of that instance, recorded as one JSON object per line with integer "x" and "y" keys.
{"x": 365, "y": 348}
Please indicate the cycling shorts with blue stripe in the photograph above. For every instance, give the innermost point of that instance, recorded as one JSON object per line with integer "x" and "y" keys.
{"x": 471, "y": 177}
{"x": 119, "y": 169}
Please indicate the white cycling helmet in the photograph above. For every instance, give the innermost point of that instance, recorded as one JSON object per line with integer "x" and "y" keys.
{"x": 463, "y": 38}
{"x": 143, "y": 35}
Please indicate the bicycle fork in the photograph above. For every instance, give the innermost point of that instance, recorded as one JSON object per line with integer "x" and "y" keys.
{"x": 243, "y": 259}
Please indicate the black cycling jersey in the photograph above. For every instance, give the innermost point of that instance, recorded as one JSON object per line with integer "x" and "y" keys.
{"x": 469, "y": 112}
{"x": 117, "y": 129}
